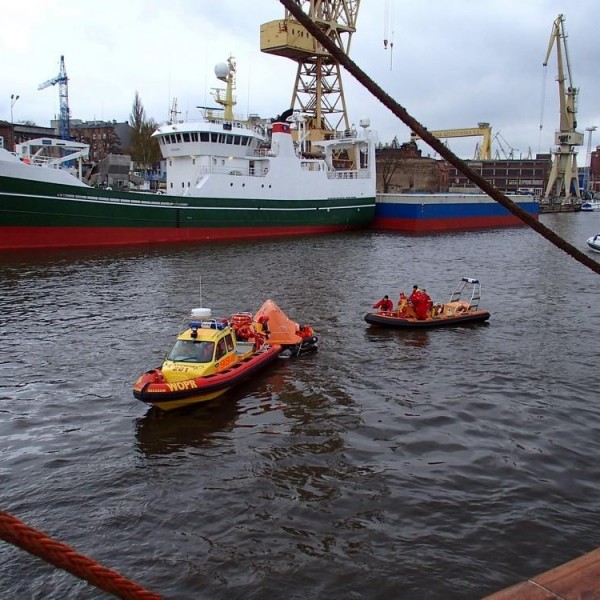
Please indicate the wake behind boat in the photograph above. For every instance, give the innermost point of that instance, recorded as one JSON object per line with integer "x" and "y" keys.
{"x": 226, "y": 179}
{"x": 418, "y": 312}
{"x": 210, "y": 356}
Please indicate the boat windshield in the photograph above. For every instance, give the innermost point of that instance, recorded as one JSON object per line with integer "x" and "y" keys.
{"x": 192, "y": 351}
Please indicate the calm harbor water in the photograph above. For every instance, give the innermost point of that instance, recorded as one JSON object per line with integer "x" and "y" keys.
{"x": 406, "y": 465}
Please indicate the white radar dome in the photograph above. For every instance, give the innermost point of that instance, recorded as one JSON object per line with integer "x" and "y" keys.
{"x": 365, "y": 122}
{"x": 222, "y": 70}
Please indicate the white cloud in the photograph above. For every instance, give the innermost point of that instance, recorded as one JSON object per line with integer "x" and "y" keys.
{"x": 453, "y": 64}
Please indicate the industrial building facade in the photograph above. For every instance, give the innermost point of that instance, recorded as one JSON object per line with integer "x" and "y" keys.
{"x": 507, "y": 175}
{"x": 401, "y": 169}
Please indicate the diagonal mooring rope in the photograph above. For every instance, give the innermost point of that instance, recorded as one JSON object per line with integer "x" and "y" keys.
{"x": 434, "y": 142}
{"x": 60, "y": 555}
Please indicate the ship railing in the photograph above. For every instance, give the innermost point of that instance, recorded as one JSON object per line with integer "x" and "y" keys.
{"x": 259, "y": 170}
{"x": 347, "y": 134}
{"x": 39, "y": 161}
{"x": 363, "y": 174}
{"x": 312, "y": 165}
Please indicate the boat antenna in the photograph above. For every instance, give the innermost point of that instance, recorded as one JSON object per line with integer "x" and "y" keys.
{"x": 201, "y": 290}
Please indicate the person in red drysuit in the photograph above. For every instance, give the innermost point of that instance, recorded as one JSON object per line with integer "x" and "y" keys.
{"x": 385, "y": 304}
{"x": 419, "y": 303}
{"x": 428, "y": 302}
{"x": 415, "y": 296}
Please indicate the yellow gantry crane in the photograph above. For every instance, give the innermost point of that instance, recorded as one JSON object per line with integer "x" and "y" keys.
{"x": 563, "y": 180}
{"x": 318, "y": 91}
{"x": 482, "y": 129}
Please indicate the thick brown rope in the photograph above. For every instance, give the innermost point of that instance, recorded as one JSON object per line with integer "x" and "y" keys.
{"x": 434, "y": 142}
{"x": 62, "y": 556}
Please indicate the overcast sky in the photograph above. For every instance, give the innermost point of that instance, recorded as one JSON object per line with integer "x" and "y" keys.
{"x": 454, "y": 63}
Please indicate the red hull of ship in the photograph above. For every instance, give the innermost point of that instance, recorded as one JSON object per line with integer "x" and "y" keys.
{"x": 26, "y": 238}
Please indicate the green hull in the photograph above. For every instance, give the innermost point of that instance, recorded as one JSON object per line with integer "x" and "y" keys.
{"x": 36, "y": 214}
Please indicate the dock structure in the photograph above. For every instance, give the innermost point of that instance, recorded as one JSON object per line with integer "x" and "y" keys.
{"x": 577, "y": 579}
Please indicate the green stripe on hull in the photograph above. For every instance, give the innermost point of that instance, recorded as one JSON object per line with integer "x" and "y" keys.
{"x": 30, "y": 203}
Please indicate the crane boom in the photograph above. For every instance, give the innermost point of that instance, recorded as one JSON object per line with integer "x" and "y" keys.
{"x": 563, "y": 180}
{"x": 483, "y": 129}
{"x": 63, "y": 94}
{"x": 318, "y": 91}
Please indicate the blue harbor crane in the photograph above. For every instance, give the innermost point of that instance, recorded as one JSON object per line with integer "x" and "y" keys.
{"x": 63, "y": 94}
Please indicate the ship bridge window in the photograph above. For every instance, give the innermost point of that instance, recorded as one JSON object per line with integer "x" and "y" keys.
{"x": 227, "y": 126}
{"x": 204, "y": 136}
{"x": 229, "y": 139}
{"x": 236, "y": 140}
{"x": 194, "y": 136}
{"x": 214, "y": 137}
{"x": 178, "y": 136}
{"x": 186, "y": 137}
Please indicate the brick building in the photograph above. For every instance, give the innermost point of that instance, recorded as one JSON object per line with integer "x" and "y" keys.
{"x": 508, "y": 175}
{"x": 103, "y": 137}
{"x": 12, "y": 134}
{"x": 594, "y": 181}
{"x": 401, "y": 168}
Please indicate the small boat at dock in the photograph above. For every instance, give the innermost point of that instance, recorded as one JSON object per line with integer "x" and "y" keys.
{"x": 591, "y": 205}
{"x": 456, "y": 311}
{"x": 210, "y": 356}
{"x": 594, "y": 242}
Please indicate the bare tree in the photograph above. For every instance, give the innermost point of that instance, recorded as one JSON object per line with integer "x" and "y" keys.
{"x": 144, "y": 150}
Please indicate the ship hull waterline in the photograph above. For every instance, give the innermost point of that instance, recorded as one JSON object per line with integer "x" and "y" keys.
{"x": 436, "y": 213}
{"x": 35, "y": 216}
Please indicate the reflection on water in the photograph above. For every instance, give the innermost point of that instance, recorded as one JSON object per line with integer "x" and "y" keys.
{"x": 159, "y": 432}
{"x": 209, "y": 423}
{"x": 388, "y": 460}
{"x": 418, "y": 338}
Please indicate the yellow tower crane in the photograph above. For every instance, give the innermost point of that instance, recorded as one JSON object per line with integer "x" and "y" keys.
{"x": 482, "y": 129}
{"x": 318, "y": 91}
{"x": 563, "y": 180}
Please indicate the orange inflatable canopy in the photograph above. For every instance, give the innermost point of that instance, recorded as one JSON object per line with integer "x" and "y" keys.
{"x": 281, "y": 329}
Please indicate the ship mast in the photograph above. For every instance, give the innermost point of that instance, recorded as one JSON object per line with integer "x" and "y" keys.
{"x": 226, "y": 72}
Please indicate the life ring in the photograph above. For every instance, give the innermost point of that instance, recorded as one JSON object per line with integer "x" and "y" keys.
{"x": 244, "y": 333}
